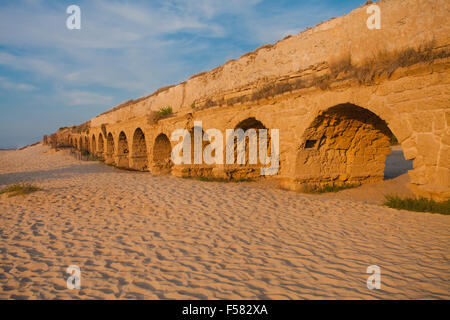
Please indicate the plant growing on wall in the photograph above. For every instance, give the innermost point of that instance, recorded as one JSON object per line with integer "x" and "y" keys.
{"x": 164, "y": 112}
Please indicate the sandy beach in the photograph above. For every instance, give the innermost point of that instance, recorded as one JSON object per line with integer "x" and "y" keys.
{"x": 136, "y": 235}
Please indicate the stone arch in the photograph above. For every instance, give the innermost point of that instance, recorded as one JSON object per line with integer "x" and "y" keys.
{"x": 94, "y": 145}
{"x": 161, "y": 158}
{"x": 193, "y": 169}
{"x": 122, "y": 151}
{"x": 344, "y": 144}
{"x": 247, "y": 170}
{"x": 139, "y": 151}
{"x": 101, "y": 146}
{"x": 109, "y": 156}
{"x": 86, "y": 144}
{"x": 80, "y": 143}
{"x": 204, "y": 143}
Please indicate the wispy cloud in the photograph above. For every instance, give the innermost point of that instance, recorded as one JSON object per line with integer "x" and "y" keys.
{"x": 28, "y": 63}
{"x": 85, "y": 98}
{"x": 10, "y": 85}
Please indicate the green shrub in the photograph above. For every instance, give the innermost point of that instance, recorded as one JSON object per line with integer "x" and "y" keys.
{"x": 19, "y": 189}
{"x": 417, "y": 204}
{"x": 164, "y": 112}
{"x": 84, "y": 153}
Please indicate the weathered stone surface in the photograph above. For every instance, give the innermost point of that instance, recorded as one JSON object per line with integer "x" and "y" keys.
{"x": 446, "y": 137}
{"x": 341, "y": 146}
{"x": 429, "y": 147}
{"x": 439, "y": 120}
{"x": 422, "y": 121}
{"x": 442, "y": 177}
{"x": 410, "y": 153}
{"x": 444, "y": 157}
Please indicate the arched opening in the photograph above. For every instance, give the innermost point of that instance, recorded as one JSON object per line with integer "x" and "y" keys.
{"x": 162, "y": 149}
{"x": 140, "y": 160}
{"x": 249, "y": 123}
{"x": 345, "y": 144}
{"x": 122, "y": 151}
{"x": 94, "y": 145}
{"x": 80, "y": 144}
{"x": 251, "y": 166}
{"x": 86, "y": 144}
{"x": 199, "y": 169}
{"x": 109, "y": 157}
{"x": 101, "y": 147}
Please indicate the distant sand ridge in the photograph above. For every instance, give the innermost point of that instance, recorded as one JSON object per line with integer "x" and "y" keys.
{"x": 338, "y": 93}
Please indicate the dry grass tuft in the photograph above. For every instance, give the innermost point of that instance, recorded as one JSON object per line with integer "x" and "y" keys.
{"x": 387, "y": 63}
{"x": 367, "y": 73}
{"x": 214, "y": 179}
{"x": 314, "y": 189}
{"x": 198, "y": 75}
{"x": 342, "y": 65}
{"x": 209, "y": 103}
{"x": 19, "y": 189}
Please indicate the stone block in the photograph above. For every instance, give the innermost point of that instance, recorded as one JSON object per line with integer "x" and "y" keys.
{"x": 428, "y": 147}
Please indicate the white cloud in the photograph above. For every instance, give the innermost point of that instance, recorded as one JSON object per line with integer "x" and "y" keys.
{"x": 85, "y": 98}
{"x": 210, "y": 8}
{"x": 11, "y": 85}
{"x": 28, "y": 63}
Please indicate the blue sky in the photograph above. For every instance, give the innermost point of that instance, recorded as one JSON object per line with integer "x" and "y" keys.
{"x": 52, "y": 77}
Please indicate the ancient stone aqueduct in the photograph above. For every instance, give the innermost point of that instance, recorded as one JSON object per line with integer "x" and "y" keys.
{"x": 335, "y": 124}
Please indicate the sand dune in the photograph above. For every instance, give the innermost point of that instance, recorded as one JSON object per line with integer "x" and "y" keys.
{"x": 138, "y": 235}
